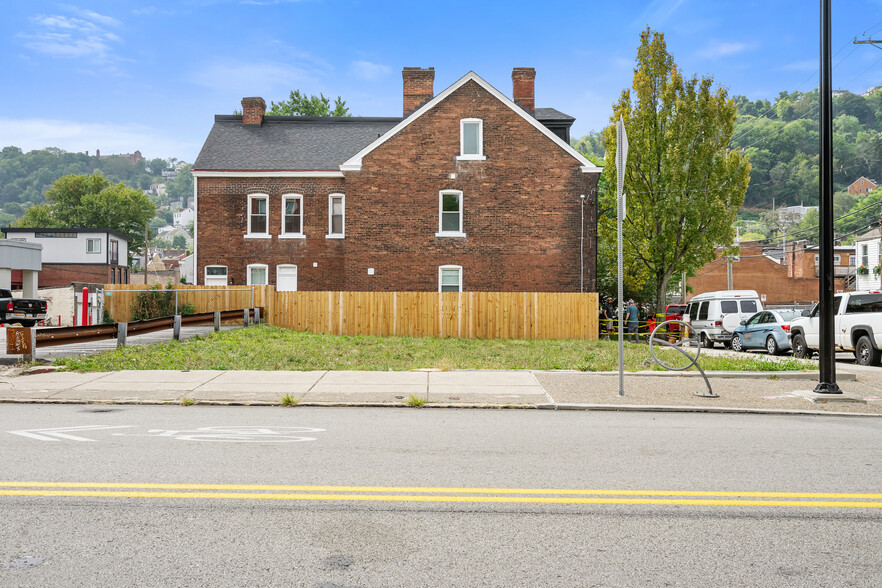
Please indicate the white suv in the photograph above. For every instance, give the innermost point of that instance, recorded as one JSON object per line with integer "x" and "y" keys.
{"x": 714, "y": 315}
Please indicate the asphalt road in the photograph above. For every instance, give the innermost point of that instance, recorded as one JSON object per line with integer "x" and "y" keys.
{"x": 251, "y": 496}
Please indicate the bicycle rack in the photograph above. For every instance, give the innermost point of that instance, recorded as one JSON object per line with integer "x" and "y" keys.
{"x": 692, "y": 341}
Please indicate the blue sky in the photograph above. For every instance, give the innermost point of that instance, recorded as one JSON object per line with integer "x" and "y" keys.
{"x": 118, "y": 76}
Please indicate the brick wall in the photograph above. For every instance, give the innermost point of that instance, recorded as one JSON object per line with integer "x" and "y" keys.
{"x": 521, "y": 212}
{"x": 756, "y": 272}
{"x": 65, "y": 274}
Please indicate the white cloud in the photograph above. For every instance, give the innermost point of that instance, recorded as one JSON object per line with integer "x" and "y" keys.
{"x": 717, "y": 49}
{"x": 84, "y": 36}
{"x": 253, "y": 79}
{"x": 30, "y": 134}
{"x": 658, "y": 12}
{"x": 804, "y": 65}
{"x": 367, "y": 70}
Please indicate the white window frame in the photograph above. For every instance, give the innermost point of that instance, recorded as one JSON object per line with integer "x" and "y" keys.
{"x": 226, "y": 275}
{"x": 253, "y": 235}
{"x": 479, "y": 156}
{"x": 441, "y": 232}
{"x": 331, "y": 234}
{"x": 296, "y": 276}
{"x": 90, "y": 240}
{"x": 865, "y": 254}
{"x": 252, "y": 266}
{"x": 283, "y": 234}
{"x": 449, "y": 267}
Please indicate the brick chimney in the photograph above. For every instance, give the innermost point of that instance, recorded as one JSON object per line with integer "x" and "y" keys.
{"x": 523, "y": 84}
{"x": 253, "y": 110}
{"x": 418, "y": 87}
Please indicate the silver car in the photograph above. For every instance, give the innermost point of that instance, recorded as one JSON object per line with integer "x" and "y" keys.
{"x": 769, "y": 330}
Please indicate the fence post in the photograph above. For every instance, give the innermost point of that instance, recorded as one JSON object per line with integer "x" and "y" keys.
{"x": 256, "y": 315}
{"x": 122, "y": 331}
{"x": 246, "y": 313}
{"x": 216, "y": 321}
{"x": 177, "y": 328}
{"x": 29, "y": 357}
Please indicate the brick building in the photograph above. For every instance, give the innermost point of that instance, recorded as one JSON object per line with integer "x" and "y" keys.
{"x": 97, "y": 256}
{"x": 469, "y": 190}
{"x": 784, "y": 277}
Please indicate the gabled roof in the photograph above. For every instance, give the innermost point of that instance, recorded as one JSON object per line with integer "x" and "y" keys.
{"x": 354, "y": 162}
{"x": 871, "y": 235}
{"x": 308, "y": 143}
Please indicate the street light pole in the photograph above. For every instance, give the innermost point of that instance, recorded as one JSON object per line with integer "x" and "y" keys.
{"x": 827, "y": 361}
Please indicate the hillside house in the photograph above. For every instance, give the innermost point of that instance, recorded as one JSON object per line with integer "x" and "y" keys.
{"x": 468, "y": 190}
{"x": 862, "y": 185}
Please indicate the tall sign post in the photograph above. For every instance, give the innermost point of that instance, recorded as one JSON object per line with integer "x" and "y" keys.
{"x": 621, "y": 160}
{"x": 827, "y": 360}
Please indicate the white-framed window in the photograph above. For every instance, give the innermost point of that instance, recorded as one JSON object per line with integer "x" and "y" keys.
{"x": 837, "y": 259}
{"x": 471, "y": 139}
{"x": 93, "y": 245}
{"x": 215, "y": 275}
{"x": 286, "y": 278}
{"x": 450, "y": 214}
{"x": 292, "y": 216}
{"x": 258, "y": 219}
{"x": 336, "y": 216}
{"x": 865, "y": 255}
{"x": 256, "y": 274}
{"x": 450, "y": 278}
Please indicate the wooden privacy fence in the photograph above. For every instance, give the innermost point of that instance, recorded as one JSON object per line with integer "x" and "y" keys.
{"x": 482, "y": 315}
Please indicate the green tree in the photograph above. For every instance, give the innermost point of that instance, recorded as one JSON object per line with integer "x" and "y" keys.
{"x": 179, "y": 242}
{"x": 80, "y": 201}
{"x": 299, "y": 104}
{"x": 684, "y": 185}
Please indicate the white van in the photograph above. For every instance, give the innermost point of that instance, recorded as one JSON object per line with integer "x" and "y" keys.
{"x": 714, "y": 315}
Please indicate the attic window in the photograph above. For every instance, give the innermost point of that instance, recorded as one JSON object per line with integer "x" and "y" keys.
{"x": 471, "y": 139}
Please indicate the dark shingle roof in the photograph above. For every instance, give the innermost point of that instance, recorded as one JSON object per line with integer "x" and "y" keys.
{"x": 287, "y": 142}
{"x": 549, "y": 114}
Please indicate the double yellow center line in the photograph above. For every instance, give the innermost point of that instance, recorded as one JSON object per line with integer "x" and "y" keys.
{"x": 429, "y": 494}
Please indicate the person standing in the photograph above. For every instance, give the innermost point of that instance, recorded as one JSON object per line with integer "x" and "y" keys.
{"x": 609, "y": 312}
{"x": 632, "y": 315}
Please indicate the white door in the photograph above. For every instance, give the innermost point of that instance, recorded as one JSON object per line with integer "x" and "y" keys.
{"x": 286, "y": 278}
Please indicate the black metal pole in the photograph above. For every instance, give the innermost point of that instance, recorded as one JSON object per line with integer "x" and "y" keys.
{"x": 827, "y": 382}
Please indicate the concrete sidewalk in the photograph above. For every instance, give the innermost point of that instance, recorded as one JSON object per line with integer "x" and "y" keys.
{"x": 740, "y": 392}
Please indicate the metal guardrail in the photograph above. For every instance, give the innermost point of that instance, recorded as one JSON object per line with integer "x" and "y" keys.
{"x": 49, "y": 337}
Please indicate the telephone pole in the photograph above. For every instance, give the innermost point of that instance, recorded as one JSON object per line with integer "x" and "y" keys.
{"x": 868, "y": 42}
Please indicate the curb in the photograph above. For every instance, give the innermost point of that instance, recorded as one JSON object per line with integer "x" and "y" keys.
{"x": 432, "y": 405}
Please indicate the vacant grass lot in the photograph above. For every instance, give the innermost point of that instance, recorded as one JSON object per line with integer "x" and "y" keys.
{"x": 273, "y": 348}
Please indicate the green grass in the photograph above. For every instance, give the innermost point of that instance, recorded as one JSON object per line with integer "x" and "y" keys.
{"x": 416, "y": 401}
{"x": 273, "y": 348}
{"x": 288, "y": 400}
{"x": 187, "y": 401}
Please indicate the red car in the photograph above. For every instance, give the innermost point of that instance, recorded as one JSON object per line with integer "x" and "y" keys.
{"x": 674, "y": 312}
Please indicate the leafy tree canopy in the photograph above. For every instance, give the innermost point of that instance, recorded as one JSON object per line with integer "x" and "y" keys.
{"x": 299, "y": 104}
{"x": 684, "y": 184}
{"x": 81, "y": 201}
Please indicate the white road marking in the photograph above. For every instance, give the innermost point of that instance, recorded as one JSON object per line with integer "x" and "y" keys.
{"x": 59, "y": 433}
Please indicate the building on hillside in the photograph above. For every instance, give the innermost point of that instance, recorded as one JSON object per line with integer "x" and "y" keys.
{"x": 791, "y": 215}
{"x": 132, "y": 157}
{"x": 782, "y": 276}
{"x": 862, "y": 185}
{"x": 78, "y": 255}
{"x": 867, "y": 259}
{"x": 184, "y": 217}
{"x": 170, "y": 235}
{"x": 468, "y": 190}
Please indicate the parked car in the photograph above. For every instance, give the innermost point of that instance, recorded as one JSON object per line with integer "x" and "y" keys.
{"x": 715, "y": 315}
{"x": 857, "y": 327}
{"x": 26, "y": 311}
{"x": 769, "y": 330}
{"x": 674, "y": 312}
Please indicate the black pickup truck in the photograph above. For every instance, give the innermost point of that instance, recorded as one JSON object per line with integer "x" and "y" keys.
{"x": 26, "y": 311}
